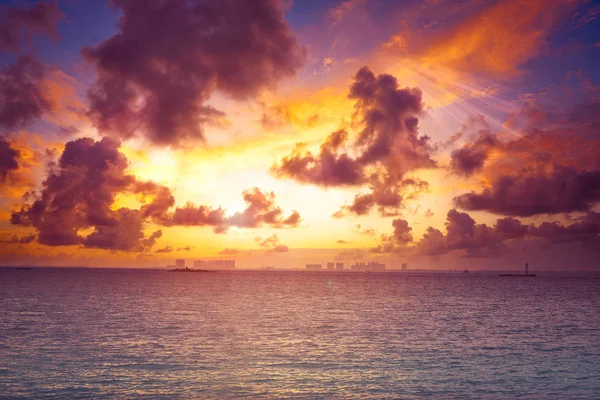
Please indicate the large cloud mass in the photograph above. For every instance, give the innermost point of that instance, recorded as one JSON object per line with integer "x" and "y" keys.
{"x": 156, "y": 75}
{"x": 562, "y": 190}
{"x": 463, "y": 234}
{"x": 550, "y": 166}
{"x": 76, "y": 205}
{"x": 386, "y": 147}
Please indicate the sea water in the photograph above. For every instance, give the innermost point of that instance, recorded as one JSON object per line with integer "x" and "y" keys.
{"x": 77, "y": 333}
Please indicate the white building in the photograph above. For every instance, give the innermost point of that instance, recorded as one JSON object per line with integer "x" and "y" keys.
{"x": 180, "y": 263}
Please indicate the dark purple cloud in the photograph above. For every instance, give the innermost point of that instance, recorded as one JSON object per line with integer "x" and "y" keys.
{"x": 328, "y": 168}
{"x": 586, "y": 229}
{"x": 19, "y": 24}
{"x": 399, "y": 239}
{"x": 463, "y": 234}
{"x": 561, "y": 190}
{"x": 14, "y": 239}
{"x": 79, "y": 192}
{"x": 156, "y": 75}
{"x": 549, "y": 164}
{"x": 260, "y": 210}
{"x": 386, "y": 147}
{"x": 471, "y": 157}
{"x": 9, "y": 159}
{"x": 21, "y": 93}
{"x": 167, "y": 249}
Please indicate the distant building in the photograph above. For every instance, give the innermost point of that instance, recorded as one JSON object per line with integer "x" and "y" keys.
{"x": 215, "y": 264}
{"x": 339, "y": 266}
{"x": 314, "y": 267}
{"x": 372, "y": 266}
{"x": 404, "y": 266}
{"x": 180, "y": 263}
{"x": 330, "y": 266}
{"x": 171, "y": 266}
{"x": 358, "y": 267}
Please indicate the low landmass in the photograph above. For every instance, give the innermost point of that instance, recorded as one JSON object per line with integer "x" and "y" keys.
{"x": 190, "y": 270}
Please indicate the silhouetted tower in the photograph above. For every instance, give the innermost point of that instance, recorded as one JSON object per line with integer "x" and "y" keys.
{"x": 526, "y": 268}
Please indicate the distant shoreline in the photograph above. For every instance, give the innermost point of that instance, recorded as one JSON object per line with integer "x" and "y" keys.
{"x": 289, "y": 270}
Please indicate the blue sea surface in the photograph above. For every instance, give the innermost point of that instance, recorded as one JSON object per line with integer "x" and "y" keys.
{"x": 99, "y": 333}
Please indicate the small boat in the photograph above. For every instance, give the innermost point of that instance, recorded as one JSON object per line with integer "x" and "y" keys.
{"x": 466, "y": 271}
{"x": 23, "y": 268}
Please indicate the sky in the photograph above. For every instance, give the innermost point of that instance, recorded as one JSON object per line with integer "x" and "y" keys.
{"x": 442, "y": 134}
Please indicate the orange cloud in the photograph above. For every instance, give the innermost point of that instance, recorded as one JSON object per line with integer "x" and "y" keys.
{"x": 67, "y": 107}
{"x": 498, "y": 39}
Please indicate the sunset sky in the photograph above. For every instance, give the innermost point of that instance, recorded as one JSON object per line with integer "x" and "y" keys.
{"x": 444, "y": 134}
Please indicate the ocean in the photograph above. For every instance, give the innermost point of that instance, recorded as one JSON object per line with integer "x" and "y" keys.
{"x": 100, "y": 333}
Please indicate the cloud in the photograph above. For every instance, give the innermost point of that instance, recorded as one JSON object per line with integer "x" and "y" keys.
{"x": 79, "y": 193}
{"x": 156, "y": 83}
{"x": 229, "y": 252}
{"x": 462, "y": 233}
{"x": 150, "y": 241}
{"x": 21, "y": 92}
{"x": 260, "y": 210}
{"x": 123, "y": 232}
{"x": 14, "y": 239}
{"x": 586, "y": 229}
{"x": 495, "y": 40}
{"x": 386, "y": 147}
{"x": 167, "y": 249}
{"x": 471, "y": 157}
{"x": 547, "y": 162}
{"x": 561, "y": 190}
{"x": 9, "y": 158}
{"x": 281, "y": 248}
{"x": 272, "y": 244}
{"x": 364, "y": 231}
{"x": 185, "y": 248}
{"x": 480, "y": 240}
{"x": 19, "y": 24}
{"x": 400, "y": 238}
{"x": 342, "y": 241}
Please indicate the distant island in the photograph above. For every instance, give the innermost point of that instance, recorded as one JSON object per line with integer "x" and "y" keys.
{"x": 186, "y": 269}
